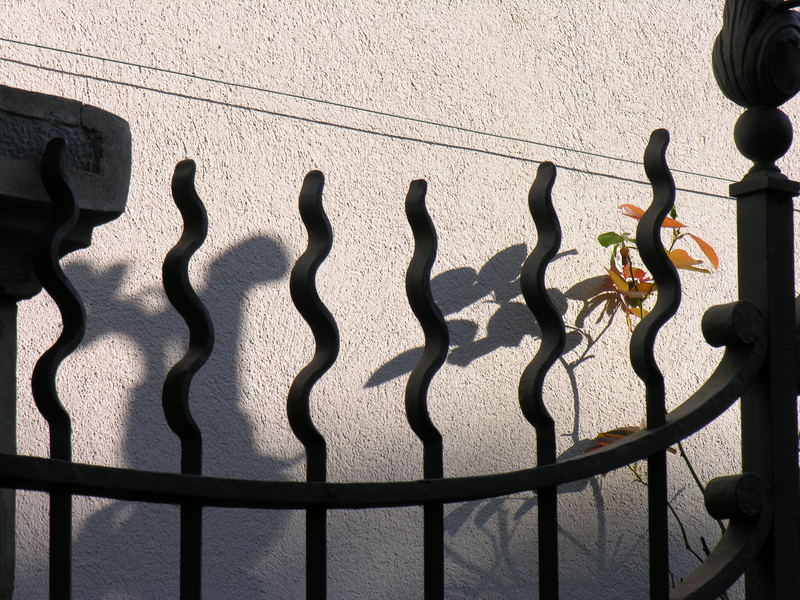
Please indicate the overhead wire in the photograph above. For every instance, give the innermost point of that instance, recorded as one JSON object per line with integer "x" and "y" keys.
{"x": 346, "y": 106}
{"x": 339, "y": 125}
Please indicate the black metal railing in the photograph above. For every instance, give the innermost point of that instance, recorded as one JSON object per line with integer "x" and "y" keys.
{"x": 759, "y": 367}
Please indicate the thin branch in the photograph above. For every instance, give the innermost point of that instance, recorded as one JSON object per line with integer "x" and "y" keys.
{"x": 696, "y": 478}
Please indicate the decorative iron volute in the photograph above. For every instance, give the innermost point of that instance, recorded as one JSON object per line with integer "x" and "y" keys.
{"x": 757, "y": 53}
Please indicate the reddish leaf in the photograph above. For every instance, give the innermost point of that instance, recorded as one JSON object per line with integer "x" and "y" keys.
{"x": 670, "y": 223}
{"x": 706, "y": 249}
{"x": 682, "y": 260}
{"x": 639, "y": 275}
{"x": 640, "y": 290}
{"x": 630, "y": 210}
{"x": 607, "y": 438}
{"x": 618, "y": 281}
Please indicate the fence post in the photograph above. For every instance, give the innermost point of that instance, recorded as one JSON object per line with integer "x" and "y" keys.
{"x": 756, "y": 66}
{"x": 99, "y": 166}
{"x": 769, "y": 407}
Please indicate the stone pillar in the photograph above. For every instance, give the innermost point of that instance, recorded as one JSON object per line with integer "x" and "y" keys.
{"x": 98, "y": 165}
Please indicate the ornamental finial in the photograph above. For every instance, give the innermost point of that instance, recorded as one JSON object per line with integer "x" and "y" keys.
{"x": 757, "y": 54}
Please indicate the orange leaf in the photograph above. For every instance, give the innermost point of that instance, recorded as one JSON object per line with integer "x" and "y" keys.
{"x": 670, "y": 223}
{"x": 629, "y": 210}
{"x": 607, "y": 438}
{"x": 619, "y": 282}
{"x": 626, "y": 271}
{"x": 682, "y": 260}
{"x": 642, "y": 290}
{"x": 706, "y": 249}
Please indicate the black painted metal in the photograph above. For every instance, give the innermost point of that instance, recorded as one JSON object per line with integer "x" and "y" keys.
{"x": 175, "y": 396}
{"x": 755, "y": 60}
{"x": 769, "y": 408}
{"x": 531, "y": 385}
{"x": 303, "y": 288}
{"x": 746, "y": 501}
{"x": 739, "y": 326}
{"x": 420, "y": 298}
{"x": 651, "y": 249}
{"x": 45, "y": 260}
{"x": 755, "y": 63}
{"x": 760, "y": 365}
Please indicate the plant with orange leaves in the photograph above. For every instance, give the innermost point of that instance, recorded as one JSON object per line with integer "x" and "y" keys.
{"x": 628, "y": 287}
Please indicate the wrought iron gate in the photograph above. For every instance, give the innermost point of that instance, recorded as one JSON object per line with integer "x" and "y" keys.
{"x": 754, "y": 61}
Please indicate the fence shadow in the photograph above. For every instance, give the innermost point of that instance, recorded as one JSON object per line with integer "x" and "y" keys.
{"x": 496, "y": 282}
{"x": 498, "y": 522}
{"x": 130, "y": 550}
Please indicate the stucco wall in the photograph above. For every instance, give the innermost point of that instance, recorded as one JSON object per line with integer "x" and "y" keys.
{"x": 374, "y": 95}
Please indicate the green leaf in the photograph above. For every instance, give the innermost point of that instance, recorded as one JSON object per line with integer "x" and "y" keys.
{"x": 673, "y": 213}
{"x": 609, "y": 239}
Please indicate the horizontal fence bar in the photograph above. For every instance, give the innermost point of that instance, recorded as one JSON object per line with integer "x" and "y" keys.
{"x": 734, "y": 374}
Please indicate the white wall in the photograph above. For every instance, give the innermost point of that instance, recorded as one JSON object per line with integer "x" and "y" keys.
{"x": 592, "y": 78}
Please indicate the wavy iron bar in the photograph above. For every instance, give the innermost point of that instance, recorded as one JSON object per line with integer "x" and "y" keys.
{"x": 175, "y": 394}
{"x": 46, "y": 253}
{"x": 178, "y": 287}
{"x": 651, "y": 249}
{"x": 531, "y": 385}
{"x": 437, "y": 342}
{"x": 303, "y": 289}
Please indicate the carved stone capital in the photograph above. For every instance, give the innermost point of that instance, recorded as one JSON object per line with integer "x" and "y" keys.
{"x": 757, "y": 54}
{"x": 98, "y": 165}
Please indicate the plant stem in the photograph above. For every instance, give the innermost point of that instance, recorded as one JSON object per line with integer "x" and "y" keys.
{"x": 590, "y": 342}
{"x": 696, "y": 478}
{"x": 683, "y": 531}
{"x": 639, "y": 479}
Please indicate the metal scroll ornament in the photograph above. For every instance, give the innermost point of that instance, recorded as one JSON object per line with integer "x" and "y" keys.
{"x": 757, "y": 53}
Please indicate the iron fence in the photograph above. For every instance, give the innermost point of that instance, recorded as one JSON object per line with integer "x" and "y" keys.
{"x": 759, "y": 367}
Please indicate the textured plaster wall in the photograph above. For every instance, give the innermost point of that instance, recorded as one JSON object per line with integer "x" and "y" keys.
{"x": 580, "y": 81}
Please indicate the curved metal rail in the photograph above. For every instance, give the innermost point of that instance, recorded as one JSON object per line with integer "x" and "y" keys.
{"x": 739, "y": 326}
{"x": 746, "y": 501}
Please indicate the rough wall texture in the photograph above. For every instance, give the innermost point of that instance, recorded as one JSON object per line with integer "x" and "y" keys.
{"x": 469, "y": 95}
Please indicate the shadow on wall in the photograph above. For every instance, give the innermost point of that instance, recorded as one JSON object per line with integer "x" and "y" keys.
{"x": 497, "y": 282}
{"x": 499, "y": 523}
{"x": 128, "y": 550}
